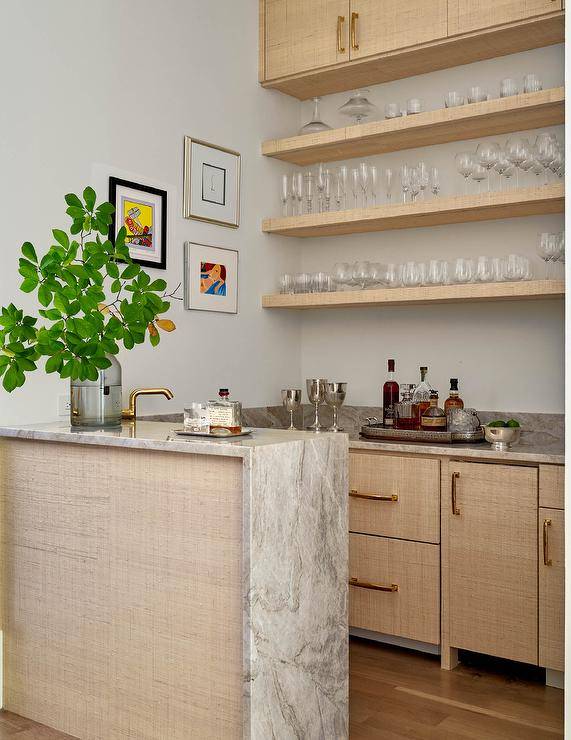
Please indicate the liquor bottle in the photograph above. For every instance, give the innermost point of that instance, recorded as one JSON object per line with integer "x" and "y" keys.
{"x": 453, "y": 401}
{"x": 434, "y": 418}
{"x": 405, "y": 409}
{"x": 390, "y": 396}
{"x": 421, "y": 395}
{"x": 225, "y": 415}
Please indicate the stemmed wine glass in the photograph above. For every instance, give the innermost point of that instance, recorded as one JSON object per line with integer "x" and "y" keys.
{"x": 334, "y": 397}
{"x": 291, "y": 399}
{"x": 465, "y": 165}
{"x": 516, "y": 152}
{"x": 479, "y": 174}
{"x": 548, "y": 249}
{"x": 316, "y": 124}
{"x": 487, "y": 155}
{"x": 545, "y": 148}
{"x": 316, "y": 394}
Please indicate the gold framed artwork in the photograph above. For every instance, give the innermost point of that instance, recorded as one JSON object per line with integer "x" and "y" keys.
{"x": 211, "y": 183}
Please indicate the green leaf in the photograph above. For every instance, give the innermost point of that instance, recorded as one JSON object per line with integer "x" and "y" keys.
{"x": 10, "y": 380}
{"x": 159, "y": 284}
{"x": 29, "y": 252}
{"x": 44, "y": 295}
{"x": 76, "y": 212}
{"x": 107, "y": 208}
{"x": 61, "y": 237}
{"x": 25, "y": 364}
{"x": 87, "y": 225}
{"x": 113, "y": 269}
{"x": 27, "y": 269}
{"x": 89, "y": 197}
{"x": 155, "y": 339}
{"x": 28, "y": 285}
{"x": 128, "y": 340}
{"x": 65, "y": 371}
{"x": 130, "y": 271}
{"x": 72, "y": 200}
{"x": 76, "y": 227}
{"x": 54, "y": 364}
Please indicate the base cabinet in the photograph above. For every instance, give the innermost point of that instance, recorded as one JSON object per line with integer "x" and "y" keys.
{"x": 551, "y": 589}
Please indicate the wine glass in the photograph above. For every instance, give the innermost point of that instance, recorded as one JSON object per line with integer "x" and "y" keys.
{"x": 309, "y": 191}
{"x": 414, "y": 183}
{"x": 545, "y": 149}
{"x": 516, "y": 152}
{"x": 364, "y": 180}
{"x": 479, "y": 174}
{"x": 342, "y": 273}
{"x": 388, "y": 176}
{"x": 394, "y": 275}
{"x": 284, "y": 194}
{"x": 465, "y": 165}
{"x": 291, "y": 399}
{"x": 411, "y": 275}
{"x": 362, "y": 274}
{"x": 487, "y": 155}
{"x": 334, "y": 397}
{"x": 316, "y": 124}
{"x": 548, "y": 249}
{"x": 316, "y": 394}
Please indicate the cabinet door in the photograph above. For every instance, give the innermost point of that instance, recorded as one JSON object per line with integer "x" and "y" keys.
{"x": 492, "y": 559}
{"x": 471, "y": 15}
{"x": 551, "y": 588}
{"x": 301, "y": 35}
{"x": 378, "y": 26}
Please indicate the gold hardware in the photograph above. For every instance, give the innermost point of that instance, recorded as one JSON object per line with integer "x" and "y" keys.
{"x": 131, "y": 412}
{"x": 340, "y": 22}
{"x": 546, "y": 559}
{"x": 455, "y": 509}
{"x": 354, "y": 19}
{"x": 373, "y": 496}
{"x": 373, "y": 586}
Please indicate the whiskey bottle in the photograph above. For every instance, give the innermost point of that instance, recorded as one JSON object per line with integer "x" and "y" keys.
{"x": 421, "y": 395}
{"x": 390, "y": 396}
{"x": 453, "y": 401}
{"x": 434, "y": 418}
{"x": 405, "y": 409}
{"x": 225, "y": 415}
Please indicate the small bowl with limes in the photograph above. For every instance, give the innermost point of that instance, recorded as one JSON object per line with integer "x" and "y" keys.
{"x": 502, "y": 434}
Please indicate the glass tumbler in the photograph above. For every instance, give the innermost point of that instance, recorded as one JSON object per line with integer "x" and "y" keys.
{"x": 508, "y": 87}
{"x": 463, "y": 270}
{"x": 532, "y": 83}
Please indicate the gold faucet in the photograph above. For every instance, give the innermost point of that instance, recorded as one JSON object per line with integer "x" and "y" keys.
{"x": 131, "y": 412}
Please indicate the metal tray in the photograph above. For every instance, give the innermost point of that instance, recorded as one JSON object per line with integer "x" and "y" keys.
{"x": 210, "y": 435}
{"x": 381, "y": 434}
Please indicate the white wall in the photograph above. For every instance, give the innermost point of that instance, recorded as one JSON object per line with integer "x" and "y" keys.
{"x": 96, "y": 87}
{"x": 507, "y": 355}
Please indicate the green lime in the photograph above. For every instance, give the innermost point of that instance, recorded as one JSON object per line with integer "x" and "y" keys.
{"x": 513, "y": 423}
{"x": 498, "y": 423}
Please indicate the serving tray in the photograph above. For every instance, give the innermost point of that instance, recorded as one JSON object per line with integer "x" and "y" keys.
{"x": 381, "y": 434}
{"x": 211, "y": 435}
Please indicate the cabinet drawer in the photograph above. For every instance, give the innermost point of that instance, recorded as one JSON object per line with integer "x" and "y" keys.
{"x": 412, "y": 609}
{"x": 404, "y": 496}
{"x": 552, "y": 486}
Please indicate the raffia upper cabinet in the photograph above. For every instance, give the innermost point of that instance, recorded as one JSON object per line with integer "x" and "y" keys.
{"x": 314, "y": 47}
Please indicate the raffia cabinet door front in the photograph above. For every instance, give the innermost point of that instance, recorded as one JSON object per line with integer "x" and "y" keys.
{"x": 465, "y": 16}
{"x": 552, "y": 588}
{"x": 492, "y": 559}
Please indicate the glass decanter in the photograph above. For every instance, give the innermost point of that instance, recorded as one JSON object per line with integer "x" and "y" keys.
{"x": 358, "y": 106}
{"x": 316, "y": 124}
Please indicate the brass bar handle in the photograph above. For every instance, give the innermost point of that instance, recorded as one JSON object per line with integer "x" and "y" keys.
{"x": 455, "y": 509}
{"x": 374, "y": 496}
{"x": 340, "y": 22}
{"x": 373, "y": 586}
{"x": 354, "y": 42}
{"x": 546, "y": 559}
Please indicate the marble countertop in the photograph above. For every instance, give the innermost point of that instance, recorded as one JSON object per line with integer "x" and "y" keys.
{"x": 534, "y": 447}
{"x": 157, "y": 435}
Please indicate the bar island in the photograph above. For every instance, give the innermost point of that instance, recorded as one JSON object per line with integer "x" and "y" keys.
{"x": 156, "y": 587}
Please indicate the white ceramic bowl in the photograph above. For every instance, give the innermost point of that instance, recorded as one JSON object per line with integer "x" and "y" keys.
{"x": 501, "y": 438}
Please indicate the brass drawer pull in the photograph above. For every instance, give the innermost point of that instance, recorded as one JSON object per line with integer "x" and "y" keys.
{"x": 354, "y": 42}
{"x": 340, "y": 22}
{"x": 546, "y": 559}
{"x": 373, "y": 586}
{"x": 374, "y": 496}
{"x": 455, "y": 509}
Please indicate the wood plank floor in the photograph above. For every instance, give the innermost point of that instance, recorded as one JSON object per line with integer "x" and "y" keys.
{"x": 399, "y": 694}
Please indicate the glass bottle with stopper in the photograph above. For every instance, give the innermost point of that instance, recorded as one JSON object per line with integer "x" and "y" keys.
{"x": 405, "y": 409}
{"x": 225, "y": 415}
{"x": 421, "y": 395}
{"x": 434, "y": 418}
{"x": 453, "y": 401}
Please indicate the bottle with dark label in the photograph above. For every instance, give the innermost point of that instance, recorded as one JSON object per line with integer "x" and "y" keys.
{"x": 390, "y": 396}
{"x": 453, "y": 401}
{"x": 434, "y": 418}
{"x": 421, "y": 395}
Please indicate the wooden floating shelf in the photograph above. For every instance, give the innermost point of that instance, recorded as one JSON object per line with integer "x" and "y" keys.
{"x": 499, "y": 116}
{"x": 435, "y": 212}
{"x": 526, "y": 290}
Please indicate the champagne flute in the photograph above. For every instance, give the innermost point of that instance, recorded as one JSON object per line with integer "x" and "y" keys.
{"x": 434, "y": 181}
{"x": 327, "y": 189}
{"x": 342, "y": 187}
{"x": 320, "y": 184}
{"x": 364, "y": 180}
{"x": 299, "y": 191}
{"x": 355, "y": 185}
{"x": 423, "y": 177}
{"x": 373, "y": 176}
{"x": 309, "y": 191}
{"x": 405, "y": 174}
{"x": 284, "y": 194}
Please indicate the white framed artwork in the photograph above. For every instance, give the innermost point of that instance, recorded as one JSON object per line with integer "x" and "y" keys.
{"x": 210, "y": 278}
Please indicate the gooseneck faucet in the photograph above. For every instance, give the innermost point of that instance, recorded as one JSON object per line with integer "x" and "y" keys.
{"x": 131, "y": 412}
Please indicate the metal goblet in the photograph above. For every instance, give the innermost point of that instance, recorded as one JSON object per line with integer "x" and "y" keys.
{"x": 291, "y": 398}
{"x": 334, "y": 397}
{"x": 316, "y": 395}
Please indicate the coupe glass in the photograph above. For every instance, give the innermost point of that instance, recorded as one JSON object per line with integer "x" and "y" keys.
{"x": 358, "y": 106}
{"x": 316, "y": 124}
{"x": 487, "y": 155}
{"x": 465, "y": 165}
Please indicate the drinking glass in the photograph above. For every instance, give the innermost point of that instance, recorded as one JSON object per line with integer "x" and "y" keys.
{"x": 463, "y": 270}
{"x": 411, "y": 276}
{"x": 389, "y": 176}
{"x": 465, "y": 165}
{"x": 287, "y": 283}
{"x": 291, "y": 399}
{"x": 298, "y": 178}
{"x": 364, "y": 180}
{"x": 309, "y": 191}
{"x": 479, "y": 174}
{"x": 498, "y": 270}
{"x": 413, "y": 105}
{"x": 320, "y": 185}
{"x": 341, "y": 187}
{"x": 548, "y": 249}
{"x": 196, "y": 416}
{"x": 434, "y": 274}
{"x": 508, "y": 87}
{"x": 513, "y": 267}
{"x": 487, "y": 155}
{"x": 373, "y": 180}
{"x": 334, "y": 397}
{"x": 532, "y": 83}
{"x": 477, "y": 94}
{"x": 453, "y": 99}
{"x": 342, "y": 273}
{"x": 362, "y": 274}
{"x": 434, "y": 181}
{"x": 484, "y": 272}
{"x": 392, "y": 110}
{"x": 378, "y": 273}
{"x": 302, "y": 282}
{"x": 355, "y": 186}
{"x": 517, "y": 148}
{"x": 394, "y": 275}
{"x": 284, "y": 194}
{"x": 423, "y": 177}
{"x": 414, "y": 180}
{"x": 405, "y": 175}
{"x": 545, "y": 151}
{"x": 327, "y": 188}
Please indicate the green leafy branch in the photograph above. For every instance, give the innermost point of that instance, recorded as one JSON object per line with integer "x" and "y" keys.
{"x": 93, "y": 296}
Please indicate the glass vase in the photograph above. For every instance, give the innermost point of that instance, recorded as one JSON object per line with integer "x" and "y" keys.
{"x": 98, "y": 403}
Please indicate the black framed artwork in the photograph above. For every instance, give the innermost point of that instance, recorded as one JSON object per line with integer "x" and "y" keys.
{"x": 142, "y": 210}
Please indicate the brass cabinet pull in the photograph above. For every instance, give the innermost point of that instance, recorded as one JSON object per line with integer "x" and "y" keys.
{"x": 546, "y": 559}
{"x": 354, "y": 19}
{"x": 455, "y": 509}
{"x": 340, "y": 22}
{"x": 373, "y": 586}
{"x": 374, "y": 496}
